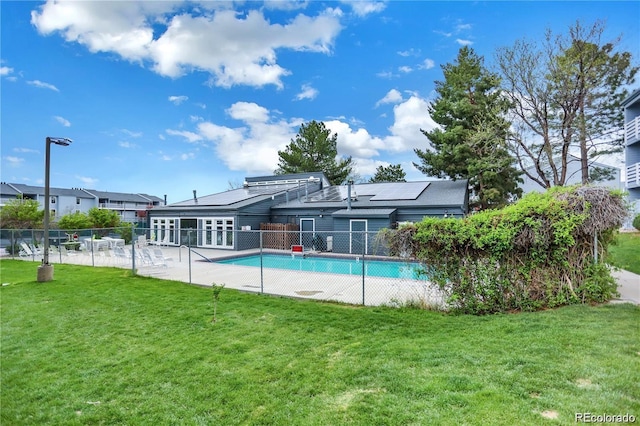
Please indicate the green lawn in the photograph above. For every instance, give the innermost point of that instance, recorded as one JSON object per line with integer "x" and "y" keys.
{"x": 625, "y": 253}
{"x": 96, "y": 346}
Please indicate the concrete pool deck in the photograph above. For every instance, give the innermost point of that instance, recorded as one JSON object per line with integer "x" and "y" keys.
{"x": 299, "y": 284}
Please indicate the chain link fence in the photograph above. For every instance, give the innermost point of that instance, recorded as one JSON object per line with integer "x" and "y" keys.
{"x": 351, "y": 267}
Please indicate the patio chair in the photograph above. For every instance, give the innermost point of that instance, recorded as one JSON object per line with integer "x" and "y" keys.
{"x": 25, "y": 251}
{"x": 121, "y": 255}
{"x": 150, "y": 259}
{"x": 105, "y": 255}
{"x": 142, "y": 241}
{"x": 35, "y": 249}
{"x": 65, "y": 252}
{"x": 157, "y": 252}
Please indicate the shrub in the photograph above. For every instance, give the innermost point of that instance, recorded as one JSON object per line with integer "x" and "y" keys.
{"x": 636, "y": 222}
{"x": 534, "y": 254}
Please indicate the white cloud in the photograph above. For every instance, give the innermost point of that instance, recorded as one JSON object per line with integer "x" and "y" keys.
{"x": 43, "y": 85}
{"x": 409, "y": 117}
{"x": 189, "y": 136}
{"x": 161, "y": 136}
{"x": 201, "y": 105}
{"x": 252, "y": 147}
{"x": 195, "y": 118}
{"x": 385, "y": 74}
{"x": 187, "y": 156}
{"x": 177, "y": 100}
{"x": 249, "y": 112}
{"x": 236, "y": 49}
{"x": 463, "y": 42}
{"x": 307, "y": 92}
{"x": 405, "y": 69}
{"x": 358, "y": 143}
{"x": 443, "y": 33}
{"x": 410, "y": 52}
{"x": 5, "y": 71}
{"x": 26, "y": 150}
{"x": 427, "y": 64}
{"x": 14, "y": 161}
{"x": 131, "y": 133}
{"x": 393, "y": 96}
{"x": 128, "y": 145}
{"x": 87, "y": 181}
{"x": 364, "y": 8}
{"x": 62, "y": 121}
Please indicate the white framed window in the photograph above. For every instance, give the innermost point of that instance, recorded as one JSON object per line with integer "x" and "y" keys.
{"x": 164, "y": 231}
{"x": 217, "y": 232}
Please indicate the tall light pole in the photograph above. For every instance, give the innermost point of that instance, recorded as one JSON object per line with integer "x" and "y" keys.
{"x": 45, "y": 271}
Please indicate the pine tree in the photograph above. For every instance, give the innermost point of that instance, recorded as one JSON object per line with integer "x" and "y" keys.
{"x": 391, "y": 173}
{"x": 314, "y": 149}
{"x": 471, "y": 142}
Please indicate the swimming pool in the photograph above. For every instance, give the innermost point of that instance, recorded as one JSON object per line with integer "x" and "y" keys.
{"x": 376, "y": 268}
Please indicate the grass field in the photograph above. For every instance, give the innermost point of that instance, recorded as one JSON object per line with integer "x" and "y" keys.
{"x": 96, "y": 346}
{"x": 625, "y": 253}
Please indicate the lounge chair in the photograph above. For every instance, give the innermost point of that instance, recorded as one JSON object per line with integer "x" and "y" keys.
{"x": 157, "y": 252}
{"x": 27, "y": 252}
{"x": 150, "y": 259}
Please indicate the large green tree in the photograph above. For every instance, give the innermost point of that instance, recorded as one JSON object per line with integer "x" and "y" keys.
{"x": 21, "y": 214}
{"x": 73, "y": 221}
{"x": 94, "y": 218}
{"x": 390, "y": 173}
{"x": 315, "y": 149}
{"x": 565, "y": 98}
{"x": 471, "y": 142}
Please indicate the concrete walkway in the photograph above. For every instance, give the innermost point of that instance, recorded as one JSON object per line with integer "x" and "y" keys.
{"x": 628, "y": 287}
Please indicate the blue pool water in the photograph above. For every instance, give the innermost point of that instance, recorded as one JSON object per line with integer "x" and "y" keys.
{"x": 377, "y": 268}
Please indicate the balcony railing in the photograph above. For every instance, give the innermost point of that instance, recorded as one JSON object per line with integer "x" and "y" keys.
{"x": 632, "y": 131}
{"x": 124, "y": 206}
{"x": 633, "y": 176}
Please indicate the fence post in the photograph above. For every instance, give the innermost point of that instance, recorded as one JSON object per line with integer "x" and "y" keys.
{"x": 364, "y": 251}
{"x": 33, "y": 242}
{"x": 133, "y": 249}
{"x": 59, "y": 251}
{"x": 93, "y": 261}
{"x": 189, "y": 242}
{"x": 261, "y": 274}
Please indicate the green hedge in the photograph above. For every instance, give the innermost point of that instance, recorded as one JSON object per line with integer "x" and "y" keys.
{"x": 537, "y": 253}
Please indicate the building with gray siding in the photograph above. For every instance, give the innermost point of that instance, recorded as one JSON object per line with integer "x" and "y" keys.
{"x": 308, "y": 202}
{"x": 130, "y": 207}
{"x": 631, "y": 107}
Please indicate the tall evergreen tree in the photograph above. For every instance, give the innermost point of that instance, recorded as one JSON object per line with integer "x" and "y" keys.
{"x": 471, "y": 142}
{"x": 391, "y": 173}
{"x": 314, "y": 149}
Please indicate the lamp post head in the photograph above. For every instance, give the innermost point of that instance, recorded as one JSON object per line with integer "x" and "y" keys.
{"x": 59, "y": 141}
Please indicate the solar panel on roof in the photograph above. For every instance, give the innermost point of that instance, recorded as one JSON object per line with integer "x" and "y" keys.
{"x": 404, "y": 191}
{"x": 237, "y": 195}
{"x": 332, "y": 193}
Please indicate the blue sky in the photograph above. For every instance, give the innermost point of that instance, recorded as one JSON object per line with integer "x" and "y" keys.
{"x": 167, "y": 97}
